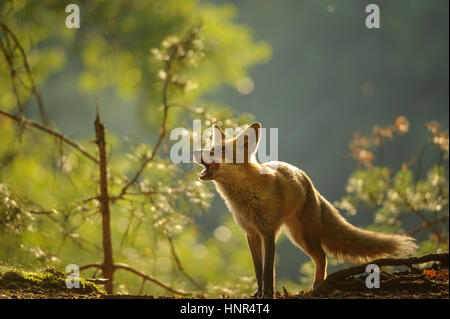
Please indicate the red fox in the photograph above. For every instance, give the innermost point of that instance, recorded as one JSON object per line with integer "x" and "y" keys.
{"x": 266, "y": 197}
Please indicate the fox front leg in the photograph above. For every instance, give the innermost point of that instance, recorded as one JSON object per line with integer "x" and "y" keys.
{"x": 255, "y": 244}
{"x": 269, "y": 266}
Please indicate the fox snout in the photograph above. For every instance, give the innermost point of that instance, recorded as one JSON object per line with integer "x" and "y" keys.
{"x": 202, "y": 157}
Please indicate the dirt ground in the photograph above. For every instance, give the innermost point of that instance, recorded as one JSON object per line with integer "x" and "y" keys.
{"x": 431, "y": 282}
{"x": 300, "y": 295}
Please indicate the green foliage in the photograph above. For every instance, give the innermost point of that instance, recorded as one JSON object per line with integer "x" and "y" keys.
{"x": 13, "y": 218}
{"x": 115, "y": 42}
{"x": 149, "y": 52}
{"x": 395, "y": 195}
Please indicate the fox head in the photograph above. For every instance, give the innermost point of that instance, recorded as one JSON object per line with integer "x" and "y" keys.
{"x": 225, "y": 157}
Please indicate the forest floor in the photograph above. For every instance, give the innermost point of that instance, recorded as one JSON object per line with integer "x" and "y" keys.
{"x": 427, "y": 282}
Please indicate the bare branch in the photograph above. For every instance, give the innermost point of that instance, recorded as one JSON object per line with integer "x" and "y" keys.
{"x": 13, "y": 75}
{"x": 149, "y": 278}
{"x": 34, "y": 89}
{"x": 97, "y": 266}
{"x": 427, "y": 222}
{"x": 179, "y": 265}
{"x": 60, "y": 136}
{"x": 162, "y": 132}
{"x": 41, "y": 212}
{"x": 171, "y": 57}
{"x": 443, "y": 258}
{"x": 425, "y": 226}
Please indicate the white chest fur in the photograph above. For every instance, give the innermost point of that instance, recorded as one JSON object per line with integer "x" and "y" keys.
{"x": 248, "y": 208}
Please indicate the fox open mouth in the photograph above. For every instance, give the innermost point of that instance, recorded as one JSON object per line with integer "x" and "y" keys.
{"x": 209, "y": 170}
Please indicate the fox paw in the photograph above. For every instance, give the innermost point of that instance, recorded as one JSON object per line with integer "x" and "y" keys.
{"x": 268, "y": 295}
{"x": 257, "y": 295}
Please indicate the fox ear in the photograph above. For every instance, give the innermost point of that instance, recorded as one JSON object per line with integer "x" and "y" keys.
{"x": 255, "y": 127}
{"x": 252, "y": 131}
{"x": 218, "y": 134}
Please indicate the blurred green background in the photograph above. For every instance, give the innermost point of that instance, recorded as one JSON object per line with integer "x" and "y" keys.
{"x": 309, "y": 68}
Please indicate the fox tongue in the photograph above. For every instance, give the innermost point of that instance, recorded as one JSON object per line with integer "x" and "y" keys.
{"x": 206, "y": 170}
{"x": 209, "y": 169}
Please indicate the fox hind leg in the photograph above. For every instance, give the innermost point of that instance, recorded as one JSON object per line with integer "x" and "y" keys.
{"x": 313, "y": 249}
{"x": 320, "y": 259}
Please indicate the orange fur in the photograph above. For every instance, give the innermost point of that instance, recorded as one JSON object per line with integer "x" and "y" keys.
{"x": 285, "y": 196}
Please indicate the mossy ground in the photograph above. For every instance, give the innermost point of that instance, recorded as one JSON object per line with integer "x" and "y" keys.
{"x": 47, "y": 283}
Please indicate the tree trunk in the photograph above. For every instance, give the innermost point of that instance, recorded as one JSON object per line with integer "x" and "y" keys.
{"x": 108, "y": 265}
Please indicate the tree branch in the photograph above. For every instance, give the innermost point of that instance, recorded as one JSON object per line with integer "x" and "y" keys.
{"x": 162, "y": 131}
{"x": 427, "y": 222}
{"x": 425, "y": 226}
{"x": 147, "y": 277}
{"x": 34, "y": 89}
{"x": 417, "y": 212}
{"x": 97, "y": 266}
{"x": 171, "y": 57}
{"x": 179, "y": 265}
{"x": 60, "y": 136}
{"x": 13, "y": 74}
{"x": 443, "y": 258}
{"x": 339, "y": 279}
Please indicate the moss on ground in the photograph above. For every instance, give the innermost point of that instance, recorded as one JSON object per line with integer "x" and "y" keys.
{"x": 48, "y": 280}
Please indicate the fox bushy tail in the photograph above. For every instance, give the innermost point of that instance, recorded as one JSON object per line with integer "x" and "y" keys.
{"x": 347, "y": 242}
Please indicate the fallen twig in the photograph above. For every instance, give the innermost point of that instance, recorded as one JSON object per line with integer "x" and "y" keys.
{"x": 340, "y": 279}
{"x": 139, "y": 274}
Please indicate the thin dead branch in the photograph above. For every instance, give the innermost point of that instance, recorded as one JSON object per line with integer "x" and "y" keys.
{"x": 149, "y": 278}
{"x": 60, "y": 136}
{"x": 425, "y": 226}
{"x": 179, "y": 265}
{"x": 163, "y": 130}
{"x": 97, "y": 266}
{"x": 34, "y": 89}
{"x": 145, "y": 277}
